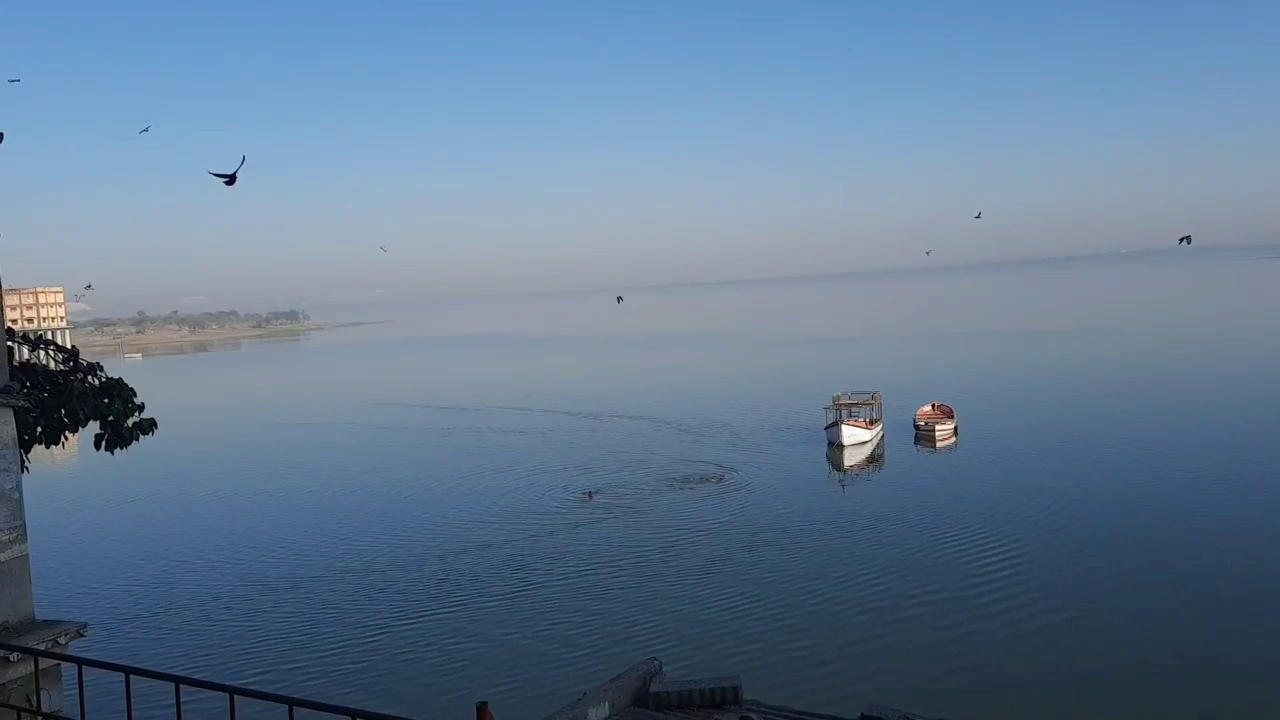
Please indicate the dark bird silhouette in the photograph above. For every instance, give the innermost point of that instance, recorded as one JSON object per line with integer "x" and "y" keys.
{"x": 88, "y": 287}
{"x": 1184, "y": 239}
{"x": 928, "y": 252}
{"x": 978, "y": 216}
{"x": 1, "y": 138}
{"x": 146, "y": 129}
{"x": 14, "y": 80}
{"x": 591, "y": 494}
{"x": 619, "y": 299}
{"x": 77, "y": 297}
{"x": 383, "y": 248}
{"x": 230, "y": 178}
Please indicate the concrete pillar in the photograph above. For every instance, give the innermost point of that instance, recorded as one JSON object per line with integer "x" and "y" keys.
{"x": 18, "y": 686}
{"x": 18, "y": 622}
{"x": 17, "y": 603}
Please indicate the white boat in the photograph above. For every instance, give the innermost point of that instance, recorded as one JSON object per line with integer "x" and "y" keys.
{"x": 853, "y": 432}
{"x": 936, "y": 419}
{"x": 855, "y": 417}
{"x": 132, "y": 356}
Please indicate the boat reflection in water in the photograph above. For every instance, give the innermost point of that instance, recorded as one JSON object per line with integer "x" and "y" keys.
{"x": 850, "y": 462}
{"x": 930, "y": 443}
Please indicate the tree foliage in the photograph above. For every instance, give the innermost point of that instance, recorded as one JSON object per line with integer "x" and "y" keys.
{"x": 58, "y": 394}
{"x": 142, "y": 322}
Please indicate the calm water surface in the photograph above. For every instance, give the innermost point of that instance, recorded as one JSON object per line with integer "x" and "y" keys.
{"x": 394, "y": 516}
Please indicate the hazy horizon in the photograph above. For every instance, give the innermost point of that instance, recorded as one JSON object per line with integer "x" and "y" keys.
{"x": 370, "y": 308}
{"x": 508, "y": 149}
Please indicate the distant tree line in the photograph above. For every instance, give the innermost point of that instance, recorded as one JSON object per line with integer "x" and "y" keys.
{"x": 142, "y": 322}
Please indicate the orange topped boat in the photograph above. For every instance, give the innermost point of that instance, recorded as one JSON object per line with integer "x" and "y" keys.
{"x": 937, "y": 419}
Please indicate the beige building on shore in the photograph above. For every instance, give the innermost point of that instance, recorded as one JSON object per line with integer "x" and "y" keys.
{"x": 38, "y": 311}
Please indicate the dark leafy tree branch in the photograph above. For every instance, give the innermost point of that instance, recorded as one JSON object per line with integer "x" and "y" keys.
{"x": 57, "y": 393}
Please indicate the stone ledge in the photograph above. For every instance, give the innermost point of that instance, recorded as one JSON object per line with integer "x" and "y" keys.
{"x": 619, "y": 692}
{"x": 51, "y": 635}
{"x": 876, "y": 712}
{"x": 707, "y": 692}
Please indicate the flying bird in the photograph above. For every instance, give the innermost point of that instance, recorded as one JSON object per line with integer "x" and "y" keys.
{"x": 383, "y": 248}
{"x": 928, "y": 252}
{"x": 1, "y": 138}
{"x": 1184, "y": 239}
{"x": 77, "y": 297}
{"x": 146, "y": 129}
{"x": 14, "y": 80}
{"x": 619, "y": 299}
{"x": 88, "y": 287}
{"x": 230, "y": 178}
{"x": 978, "y": 216}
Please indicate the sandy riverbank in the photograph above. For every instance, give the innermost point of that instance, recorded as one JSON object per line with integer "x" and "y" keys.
{"x": 166, "y": 336}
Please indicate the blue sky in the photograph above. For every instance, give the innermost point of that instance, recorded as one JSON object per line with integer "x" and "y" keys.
{"x": 516, "y": 146}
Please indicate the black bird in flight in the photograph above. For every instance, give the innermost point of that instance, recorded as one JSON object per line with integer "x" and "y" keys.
{"x": 14, "y": 80}
{"x": 88, "y": 287}
{"x": 230, "y": 178}
{"x": 928, "y": 252}
{"x": 383, "y": 248}
{"x": 1184, "y": 238}
{"x": 619, "y": 299}
{"x": 978, "y": 216}
{"x": 1, "y": 138}
{"x": 146, "y": 129}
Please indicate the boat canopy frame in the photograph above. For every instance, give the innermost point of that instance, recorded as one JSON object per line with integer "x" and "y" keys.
{"x": 866, "y": 405}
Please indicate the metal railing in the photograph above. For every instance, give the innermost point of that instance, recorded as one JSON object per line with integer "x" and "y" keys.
{"x": 46, "y": 658}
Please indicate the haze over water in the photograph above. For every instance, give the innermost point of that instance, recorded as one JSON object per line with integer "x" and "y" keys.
{"x": 393, "y": 516}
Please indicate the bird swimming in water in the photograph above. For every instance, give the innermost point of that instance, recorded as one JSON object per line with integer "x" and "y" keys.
{"x": 383, "y": 248}
{"x": 928, "y": 252}
{"x": 591, "y": 494}
{"x": 230, "y": 178}
{"x": 1184, "y": 239}
{"x": 619, "y": 299}
{"x": 146, "y": 129}
{"x": 978, "y": 216}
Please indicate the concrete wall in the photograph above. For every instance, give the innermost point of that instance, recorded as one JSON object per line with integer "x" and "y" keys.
{"x": 22, "y": 691}
{"x": 619, "y": 692}
{"x": 17, "y": 603}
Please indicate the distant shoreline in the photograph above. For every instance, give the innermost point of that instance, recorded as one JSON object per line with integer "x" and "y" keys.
{"x": 174, "y": 336}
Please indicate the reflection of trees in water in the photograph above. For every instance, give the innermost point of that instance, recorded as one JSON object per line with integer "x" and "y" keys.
{"x": 185, "y": 347}
{"x": 171, "y": 348}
